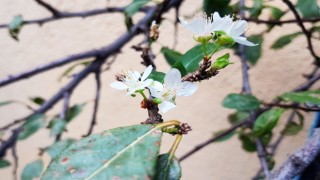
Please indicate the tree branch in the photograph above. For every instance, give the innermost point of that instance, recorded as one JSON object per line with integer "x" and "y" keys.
{"x": 299, "y": 160}
{"x": 291, "y": 106}
{"x": 278, "y": 22}
{"x": 50, "y": 8}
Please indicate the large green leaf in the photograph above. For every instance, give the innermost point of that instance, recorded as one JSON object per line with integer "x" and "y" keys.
{"x": 241, "y": 102}
{"x": 253, "y": 53}
{"x": 171, "y": 56}
{"x": 4, "y": 163}
{"x": 285, "y": 40}
{"x": 157, "y": 76}
{"x": 55, "y": 149}
{"x": 122, "y": 153}
{"x": 221, "y": 6}
{"x": 15, "y": 26}
{"x": 267, "y": 121}
{"x": 32, "y": 125}
{"x": 308, "y": 8}
{"x": 167, "y": 168}
{"x": 135, "y": 6}
{"x": 302, "y": 97}
{"x": 32, "y": 170}
{"x": 192, "y": 57}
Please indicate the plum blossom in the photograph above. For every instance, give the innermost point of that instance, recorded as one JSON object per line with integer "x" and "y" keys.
{"x": 173, "y": 86}
{"x": 132, "y": 81}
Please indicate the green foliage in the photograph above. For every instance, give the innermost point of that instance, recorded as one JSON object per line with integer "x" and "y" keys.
{"x": 55, "y": 149}
{"x": 221, "y": 6}
{"x": 308, "y": 8}
{"x": 134, "y": 7}
{"x": 224, "y": 138}
{"x": 285, "y": 40}
{"x": 237, "y": 117}
{"x": 122, "y": 152}
{"x": 32, "y": 170}
{"x": 247, "y": 142}
{"x": 171, "y": 56}
{"x": 253, "y": 53}
{"x": 241, "y": 102}
{"x": 38, "y": 100}
{"x": 192, "y": 57}
{"x": 15, "y": 26}
{"x": 178, "y": 65}
{"x": 312, "y": 97}
{"x": 74, "y": 111}
{"x": 256, "y": 9}
{"x": 32, "y": 125}
{"x": 68, "y": 71}
{"x": 57, "y": 126}
{"x": 276, "y": 14}
{"x": 294, "y": 127}
{"x": 4, "y": 163}
{"x": 267, "y": 121}
{"x": 167, "y": 168}
{"x": 157, "y": 76}
{"x": 222, "y": 61}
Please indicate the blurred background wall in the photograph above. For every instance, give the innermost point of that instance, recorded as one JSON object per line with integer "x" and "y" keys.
{"x": 275, "y": 73}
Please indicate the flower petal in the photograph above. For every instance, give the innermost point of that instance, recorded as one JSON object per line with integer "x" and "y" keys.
{"x": 146, "y": 83}
{"x": 237, "y": 28}
{"x": 244, "y": 41}
{"x": 165, "y": 106}
{"x": 172, "y": 78}
{"x": 156, "y": 86}
{"x": 134, "y": 75}
{"x": 187, "y": 89}
{"x": 119, "y": 85}
{"x": 146, "y": 73}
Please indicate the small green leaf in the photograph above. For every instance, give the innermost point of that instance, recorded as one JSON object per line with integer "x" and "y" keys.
{"x": 226, "y": 137}
{"x": 221, "y": 62}
{"x": 74, "y": 111}
{"x": 192, "y": 57}
{"x": 221, "y": 6}
{"x": 32, "y": 125}
{"x": 166, "y": 170}
{"x": 267, "y": 121}
{"x": 171, "y": 56}
{"x": 242, "y": 102}
{"x": 308, "y": 8}
{"x": 15, "y": 26}
{"x": 70, "y": 69}
{"x": 293, "y": 127}
{"x": 4, "y": 103}
{"x": 248, "y": 143}
{"x": 32, "y": 170}
{"x": 266, "y": 138}
{"x": 57, "y": 126}
{"x": 276, "y": 14}
{"x": 237, "y": 117}
{"x": 285, "y": 40}
{"x": 256, "y": 9}
{"x": 253, "y": 53}
{"x": 4, "y": 163}
{"x": 312, "y": 97}
{"x": 38, "y": 100}
{"x": 123, "y": 153}
{"x": 55, "y": 149}
{"x": 134, "y": 7}
{"x": 157, "y": 76}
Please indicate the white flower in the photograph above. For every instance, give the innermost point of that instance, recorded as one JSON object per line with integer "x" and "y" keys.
{"x": 133, "y": 81}
{"x": 233, "y": 29}
{"x": 172, "y": 87}
{"x": 200, "y": 26}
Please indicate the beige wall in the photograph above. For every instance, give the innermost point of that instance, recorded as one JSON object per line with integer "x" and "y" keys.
{"x": 277, "y": 72}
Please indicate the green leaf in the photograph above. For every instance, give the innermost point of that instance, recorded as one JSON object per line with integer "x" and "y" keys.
{"x": 224, "y": 138}
{"x": 134, "y": 7}
{"x": 4, "y": 163}
{"x": 242, "y": 102}
{"x": 293, "y": 127}
{"x": 15, "y": 26}
{"x": 276, "y": 14}
{"x": 157, "y": 76}
{"x": 4, "y": 103}
{"x": 32, "y": 170}
{"x": 237, "y": 117}
{"x": 266, "y": 138}
{"x": 32, "y": 125}
{"x": 308, "y": 8}
{"x": 253, "y": 53}
{"x": 38, "y": 100}
{"x": 166, "y": 170}
{"x": 312, "y": 97}
{"x": 247, "y": 142}
{"x": 178, "y": 65}
{"x": 171, "y": 56}
{"x": 123, "y": 153}
{"x": 256, "y": 9}
{"x": 221, "y": 6}
{"x": 55, "y": 149}
{"x": 267, "y": 121}
{"x": 74, "y": 111}
{"x": 192, "y": 57}
{"x": 285, "y": 40}
{"x": 57, "y": 126}
{"x": 70, "y": 69}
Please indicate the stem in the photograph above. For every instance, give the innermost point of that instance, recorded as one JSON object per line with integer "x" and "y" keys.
{"x": 204, "y": 46}
{"x": 168, "y": 123}
{"x": 214, "y": 51}
{"x": 143, "y": 95}
{"x": 175, "y": 146}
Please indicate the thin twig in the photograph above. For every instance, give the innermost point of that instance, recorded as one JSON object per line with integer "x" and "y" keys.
{"x": 64, "y": 110}
{"x": 213, "y": 139}
{"x": 278, "y": 22}
{"x": 262, "y": 157}
{"x": 15, "y": 160}
{"x": 15, "y": 122}
{"x": 50, "y": 8}
{"x": 291, "y": 106}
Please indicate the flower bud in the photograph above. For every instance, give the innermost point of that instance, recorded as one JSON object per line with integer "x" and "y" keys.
{"x": 224, "y": 40}
{"x": 203, "y": 38}
{"x": 221, "y": 62}
{"x": 157, "y": 100}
